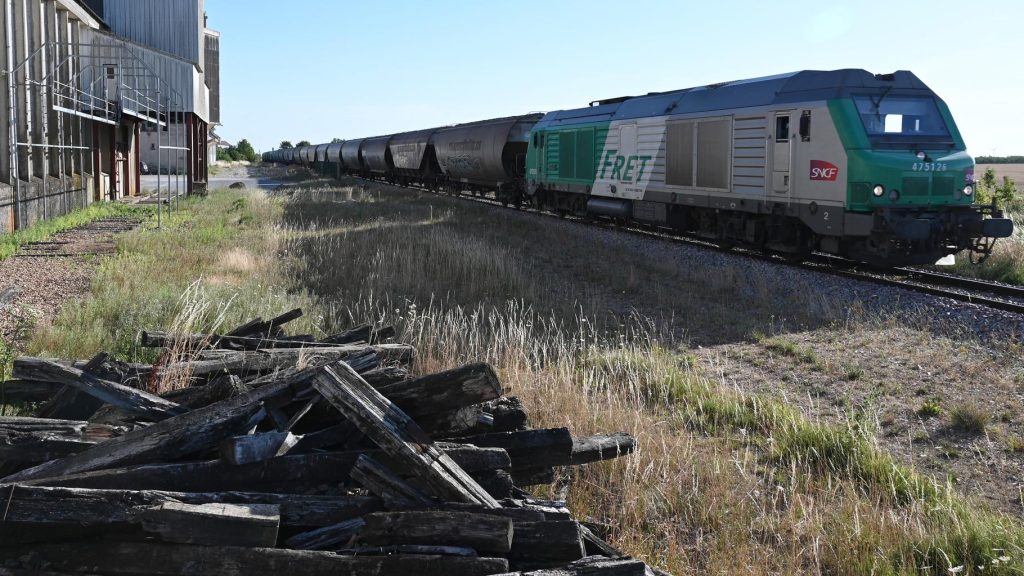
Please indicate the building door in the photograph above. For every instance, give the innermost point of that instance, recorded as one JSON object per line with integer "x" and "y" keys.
{"x": 782, "y": 154}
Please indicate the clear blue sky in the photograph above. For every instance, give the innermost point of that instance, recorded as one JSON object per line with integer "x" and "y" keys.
{"x": 319, "y": 69}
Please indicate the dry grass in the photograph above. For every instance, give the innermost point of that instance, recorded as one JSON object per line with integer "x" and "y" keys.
{"x": 723, "y": 482}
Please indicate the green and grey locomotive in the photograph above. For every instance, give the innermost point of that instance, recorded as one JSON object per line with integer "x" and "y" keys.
{"x": 869, "y": 167}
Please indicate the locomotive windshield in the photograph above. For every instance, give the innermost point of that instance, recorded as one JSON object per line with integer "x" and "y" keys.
{"x": 901, "y": 118}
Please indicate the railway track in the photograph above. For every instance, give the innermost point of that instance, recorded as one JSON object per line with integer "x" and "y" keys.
{"x": 993, "y": 295}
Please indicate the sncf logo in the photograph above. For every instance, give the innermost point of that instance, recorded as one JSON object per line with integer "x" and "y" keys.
{"x": 821, "y": 170}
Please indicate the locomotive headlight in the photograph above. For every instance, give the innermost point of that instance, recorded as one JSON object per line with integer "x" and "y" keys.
{"x": 879, "y": 190}
{"x": 968, "y": 190}
{"x": 894, "y": 195}
{"x": 921, "y": 156}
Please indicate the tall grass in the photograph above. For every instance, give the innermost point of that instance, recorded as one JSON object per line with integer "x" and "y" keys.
{"x": 722, "y": 482}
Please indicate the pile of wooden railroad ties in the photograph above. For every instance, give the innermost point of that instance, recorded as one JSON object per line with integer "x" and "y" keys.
{"x": 278, "y": 454}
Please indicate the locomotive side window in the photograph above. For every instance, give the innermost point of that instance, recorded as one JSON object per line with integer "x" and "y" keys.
{"x": 782, "y": 129}
{"x": 805, "y": 126}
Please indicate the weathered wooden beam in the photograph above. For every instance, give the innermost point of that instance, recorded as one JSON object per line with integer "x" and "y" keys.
{"x": 216, "y": 361}
{"x": 591, "y": 566}
{"x": 70, "y": 403}
{"x": 31, "y": 450}
{"x": 388, "y": 486}
{"x": 538, "y": 448}
{"x": 364, "y": 333}
{"x": 476, "y": 458}
{"x": 253, "y": 525}
{"x": 169, "y": 439}
{"x": 498, "y": 483}
{"x": 251, "y": 448}
{"x": 218, "y": 389}
{"x": 601, "y": 447}
{"x": 48, "y": 506}
{"x": 27, "y": 391}
{"x": 484, "y": 533}
{"x": 287, "y": 474}
{"x": 156, "y": 339}
{"x": 126, "y": 398}
{"x": 445, "y": 391}
{"x": 260, "y": 326}
{"x": 410, "y": 549}
{"x": 397, "y": 434}
{"x": 538, "y": 545}
{"x": 326, "y": 538}
{"x": 159, "y": 559}
{"x": 508, "y": 413}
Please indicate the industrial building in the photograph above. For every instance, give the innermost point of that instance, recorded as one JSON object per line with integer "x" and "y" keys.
{"x": 94, "y": 88}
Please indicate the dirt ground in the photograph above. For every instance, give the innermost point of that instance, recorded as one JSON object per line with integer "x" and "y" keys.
{"x": 42, "y": 277}
{"x": 910, "y": 387}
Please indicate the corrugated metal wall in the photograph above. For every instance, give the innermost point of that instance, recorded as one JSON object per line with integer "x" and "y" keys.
{"x": 174, "y": 26}
{"x": 211, "y": 67}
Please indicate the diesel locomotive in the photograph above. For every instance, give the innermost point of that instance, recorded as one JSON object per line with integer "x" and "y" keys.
{"x": 866, "y": 166}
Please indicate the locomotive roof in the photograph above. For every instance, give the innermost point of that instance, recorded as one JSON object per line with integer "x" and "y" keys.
{"x": 803, "y": 86}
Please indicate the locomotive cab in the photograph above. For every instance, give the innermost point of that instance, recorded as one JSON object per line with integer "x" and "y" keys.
{"x": 910, "y": 181}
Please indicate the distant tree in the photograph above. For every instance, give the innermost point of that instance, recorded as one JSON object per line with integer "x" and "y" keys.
{"x": 336, "y": 141}
{"x": 224, "y": 155}
{"x": 303, "y": 143}
{"x": 286, "y": 144}
{"x": 245, "y": 150}
{"x": 999, "y": 159}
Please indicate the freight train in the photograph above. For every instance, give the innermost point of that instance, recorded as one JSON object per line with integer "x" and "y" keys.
{"x": 866, "y": 166}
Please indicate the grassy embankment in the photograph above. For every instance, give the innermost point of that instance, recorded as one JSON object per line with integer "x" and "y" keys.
{"x": 722, "y": 482}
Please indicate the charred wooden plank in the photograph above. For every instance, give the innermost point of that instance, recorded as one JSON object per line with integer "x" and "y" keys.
{"x": 217, "y": 361}
{"x": 326, "y": 538}
{"x": 476, "y": 458}
{"x": 540, "y": 448}
{"x": 172, "y": 438}
{"x": 484, "y": 533}
{"x": 410, "y": 549}
{"x": 388, "y": 486}
{"x": 498, "y": 483}
{"x": 218, "y": 389}
{"x": 160, "y": 559}
{"x": 126, "y": 398}
{"x": 157, "y": 339}
{"x": 287, "y": 474}
{"x": 445, "y": 391}
{"x": 27, "y": 451}
{"x": 546, "y": 544}
{"x": 601, "y": 447}
{"x": 48, "y": 506}
{"x": 219, "y": 524}
{"x": 508, "y": 413}
{"x": 70, "y": 403}
{"x": 364, "y": 333}
{"x": 397, "y": 434}
{"x": 27, "y": 391}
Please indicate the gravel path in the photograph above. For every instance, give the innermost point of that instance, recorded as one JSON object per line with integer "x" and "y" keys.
{"x": 43, "y": 276}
